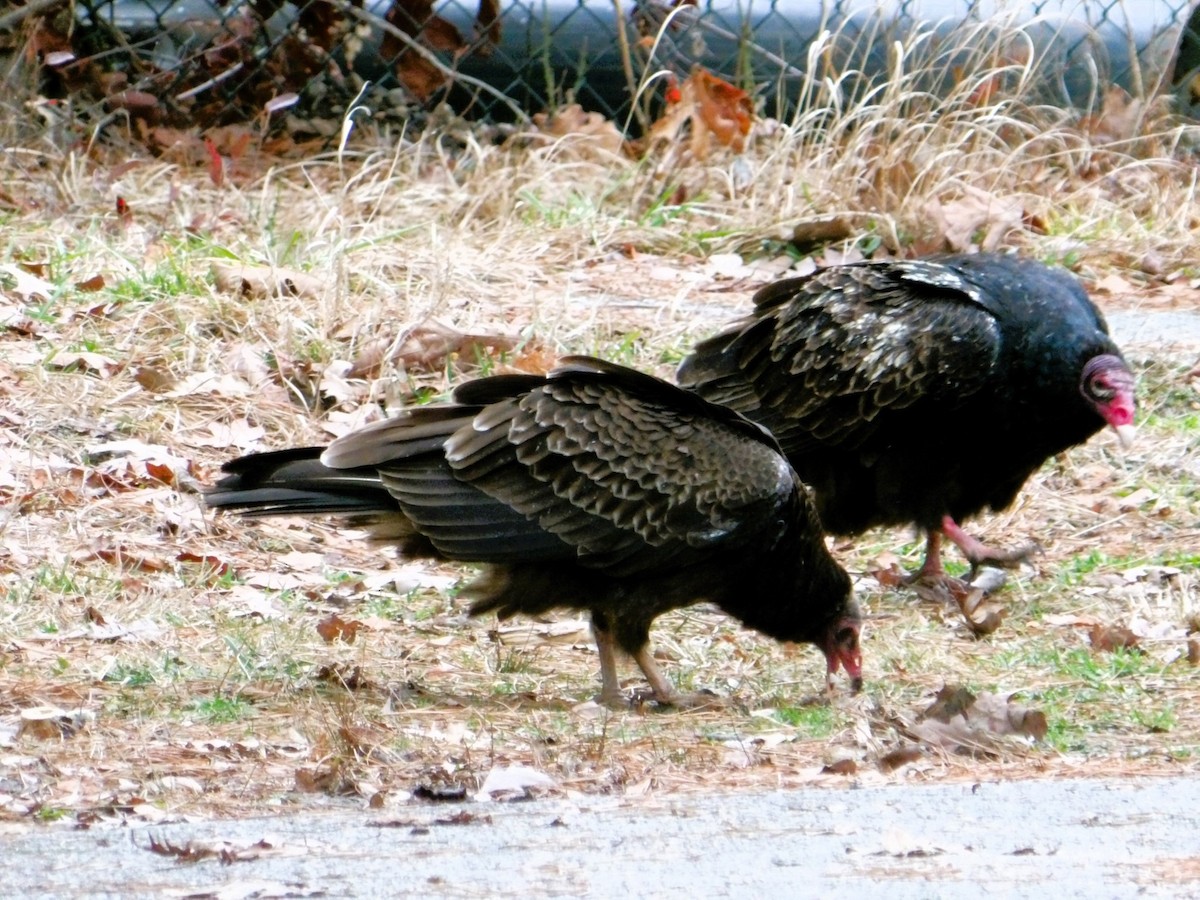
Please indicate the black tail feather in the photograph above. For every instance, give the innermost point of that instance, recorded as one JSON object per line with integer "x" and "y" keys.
{"x": 295, "y": 482}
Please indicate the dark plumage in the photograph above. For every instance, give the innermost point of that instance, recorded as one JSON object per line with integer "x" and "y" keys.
{"x": 921, "y": 391}
{"x": 594, "y": 487}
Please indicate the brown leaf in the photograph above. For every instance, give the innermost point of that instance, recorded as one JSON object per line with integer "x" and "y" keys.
{"x": 85, "y": 361}
{"x": 226, "y": 852}
{"x": 886, "y": 569}
{"x": 238, "y": 433}
{"x": 1112, "y": 637}
{"x": 439, "y": 34}
{"x": 535, "y": 358}
{"x": 982, "y": 613}
{"x": 261, "y": 282}
{"x": 124, "y": 558}
{"x": 959, "y": 720}
{"x": 841, "y": 767}
{"x": 590, "y": 132}
{"x": 977, "y": 221}
{"x": 824, "y": 230}
{"x": 901, "y": 756}
{"x": 137, "y": 103}
{"x": 88, "y": 285}
{"x": 426, "y": 346}
{"x": 727, "y": 111}
{"x": 715, "y": 109}
{"x": 334, "y": 628}
{"x": 352, "y": 678}
{"x": 153, "y": 379}
{"x": 1118, "y": 119}
{"x": 45, "y": 723}
{"x": 17, "y": 281}
{"x": 216, "y": 165}
{"x": 487, "y": 23}
{"x": 218, "y": 566}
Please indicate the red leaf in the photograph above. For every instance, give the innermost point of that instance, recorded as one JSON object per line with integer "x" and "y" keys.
{"x": 216, "y": 165}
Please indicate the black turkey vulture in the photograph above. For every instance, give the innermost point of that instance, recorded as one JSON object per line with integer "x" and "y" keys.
{"x": 594, "y": 487}
{"x": 922, "y": 391}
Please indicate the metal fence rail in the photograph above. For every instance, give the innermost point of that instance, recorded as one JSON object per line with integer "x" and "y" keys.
{"x": 214, "y": 62}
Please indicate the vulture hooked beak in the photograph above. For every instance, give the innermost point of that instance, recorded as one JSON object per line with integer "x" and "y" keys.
{"x": 1125, "y": 434}
{"x": 842, "y": 650}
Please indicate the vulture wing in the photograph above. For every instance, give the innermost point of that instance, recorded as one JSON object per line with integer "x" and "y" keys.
{"x": 826, "y": 359}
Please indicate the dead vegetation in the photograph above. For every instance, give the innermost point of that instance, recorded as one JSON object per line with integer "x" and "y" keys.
{"x": 160, "y": 316}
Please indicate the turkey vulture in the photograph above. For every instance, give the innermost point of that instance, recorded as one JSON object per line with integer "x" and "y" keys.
{"x": 594, "y": 487}
{"x": 921, "y": 391}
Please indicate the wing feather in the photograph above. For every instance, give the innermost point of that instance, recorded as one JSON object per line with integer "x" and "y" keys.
{"x": 827, "y": 359}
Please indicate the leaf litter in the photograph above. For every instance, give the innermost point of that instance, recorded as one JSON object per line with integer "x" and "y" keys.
{"x": 134, "y": 621}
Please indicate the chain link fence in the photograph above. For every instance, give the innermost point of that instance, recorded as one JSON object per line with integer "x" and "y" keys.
{"x": 303, "y": 64}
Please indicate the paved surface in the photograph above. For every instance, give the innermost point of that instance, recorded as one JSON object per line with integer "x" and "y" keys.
{"x": 1066, "y": 839}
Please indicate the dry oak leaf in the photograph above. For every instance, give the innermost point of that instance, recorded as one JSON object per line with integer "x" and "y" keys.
{"x": 260, "y": 282}
{"x": 425, "y": 346}
{"x": 335, "y": 628}
{"x": 978, "y": 214}
{"x": 85, "y": 361}
{"x": 588, "y": 132}
{"x": 16, "y": 281}
{"x": 961, "y": 721}
{"x": 716, "y": 110}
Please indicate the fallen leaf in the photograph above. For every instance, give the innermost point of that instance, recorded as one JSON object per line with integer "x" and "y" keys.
{"x": 85, "y": 361}
{"x": 961, "y": 721}
{"x": 570, "y": 631}
{"x": 901, "y": 756}
{"x": 976, "y": 221}
{"x": 262, "y": 282}
{"x": 899, "y": 843}
{"x": 841, "y": 767}
{"x": 239, "y": 433}
{"x": 886, "y": 569}
{"x": 714, "y": 109}
{"x": 590, "y": 133}
{"x": 425, "y": 346}
{"x": 1136, "y": 499}
{"x": 17, "y": 281}
{"x": 217, "y": 566}
{"x": 52, "y": 723}
{"x": 982, "y": 612}
{"x": 335, "y": 628}
{"x": 209, "y": 383}
{"x": 1118, "y": 119}
{"x": 226, "y": 851}
{"x": 1112, "y": 637}
{"x": 515, "y": 783}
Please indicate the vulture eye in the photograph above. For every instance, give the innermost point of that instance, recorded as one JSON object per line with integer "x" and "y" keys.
{"x": 1098, "y": 387}
{"x": 846, "y": 635}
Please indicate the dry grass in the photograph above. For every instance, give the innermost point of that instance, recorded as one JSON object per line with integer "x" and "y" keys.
{"x": 180, "y": 678}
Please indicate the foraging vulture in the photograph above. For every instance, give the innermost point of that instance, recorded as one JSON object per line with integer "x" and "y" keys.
{"x": 921, "y": 391}
{"x": 594, "y": 487}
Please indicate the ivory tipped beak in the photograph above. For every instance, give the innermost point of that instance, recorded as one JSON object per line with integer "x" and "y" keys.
{"x": 1126, "y": 434}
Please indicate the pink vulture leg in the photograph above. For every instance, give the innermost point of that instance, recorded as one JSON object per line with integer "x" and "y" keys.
{"x": 610, "y": 685}
{"x": 977, "y": 552}
{"x": 664, "y": 693}
{"x": 932, "y": 567}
